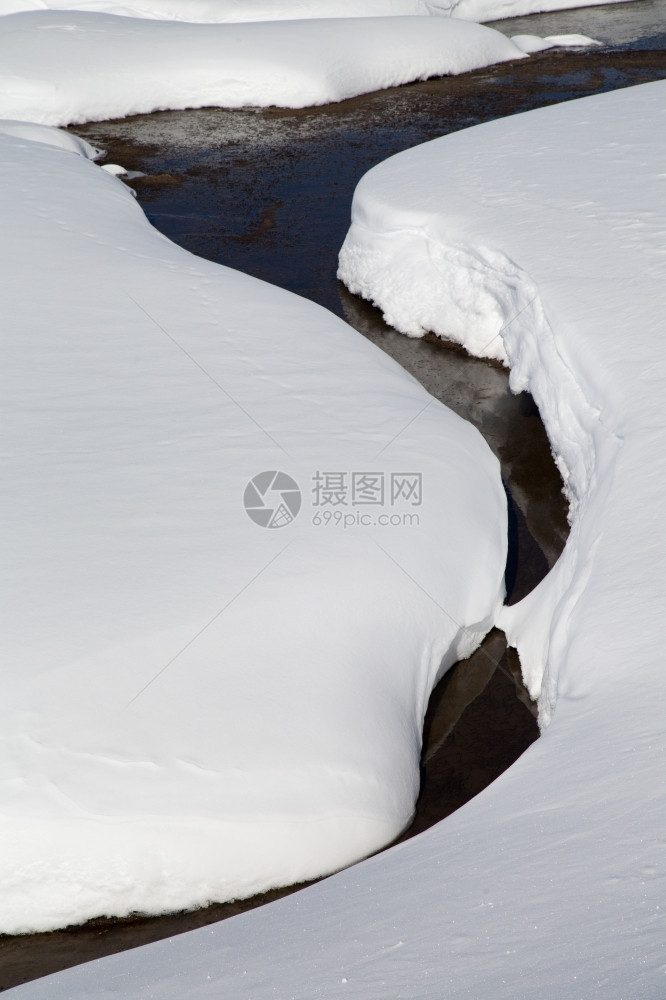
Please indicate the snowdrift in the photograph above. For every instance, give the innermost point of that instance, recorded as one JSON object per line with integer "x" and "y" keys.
{"x": 213, "y": 684}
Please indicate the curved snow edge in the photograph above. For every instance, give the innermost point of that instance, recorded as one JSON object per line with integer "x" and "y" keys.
{"x": 66, "y": 141}
{"x": 61, "y": 68}
{"x": 478, "y": 297}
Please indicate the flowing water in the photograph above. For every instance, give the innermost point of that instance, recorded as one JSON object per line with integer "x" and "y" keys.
{"x": 268, "y": 192}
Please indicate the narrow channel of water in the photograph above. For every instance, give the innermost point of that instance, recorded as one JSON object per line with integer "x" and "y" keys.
{"x": 268, "y": 192}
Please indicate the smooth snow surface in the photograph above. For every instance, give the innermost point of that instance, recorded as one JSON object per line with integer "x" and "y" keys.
{"x": 196, "y": 707}
{"x": 51, "y": 136}
{"x": 60, "y": 67}
{"x": 274, "y": 10}
{"x": 549, "y": 884}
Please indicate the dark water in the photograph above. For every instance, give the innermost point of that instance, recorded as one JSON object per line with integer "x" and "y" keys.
{"x": 268, "y": 192}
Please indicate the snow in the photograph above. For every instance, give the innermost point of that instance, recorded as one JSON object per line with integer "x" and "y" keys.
{"x": 549, "y": 883}
{"x": 272, "y": 10}
{"x": 196, "y": 707}
{"x": 63, "y": 66}
{"x": 532, "y": 43}
{"x": 60, "y": 67}
{"x": 51, "y": 136}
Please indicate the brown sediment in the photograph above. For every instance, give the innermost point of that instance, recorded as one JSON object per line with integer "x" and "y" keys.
{"x": 156, "y": 180}
{"x": 497, "y": 91}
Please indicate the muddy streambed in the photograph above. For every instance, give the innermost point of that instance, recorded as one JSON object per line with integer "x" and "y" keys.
{"x": 268, "y": 192}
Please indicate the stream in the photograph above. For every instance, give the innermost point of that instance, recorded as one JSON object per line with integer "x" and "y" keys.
{"x": 268, "y": 192}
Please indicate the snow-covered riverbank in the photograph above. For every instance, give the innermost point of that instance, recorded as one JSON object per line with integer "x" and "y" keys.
{"x": 60, "y": 67}
{"x": 550, "y": 882}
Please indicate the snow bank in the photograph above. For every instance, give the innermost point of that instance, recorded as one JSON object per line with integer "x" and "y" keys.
{"x": 196, "y": 707}
{"x": 62, "y": 67}
{"x": 513, "y": 274}
{"x": 274, "y": 10}
{"x": 51, "y": 136}
{"x": 550, "y": 883}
